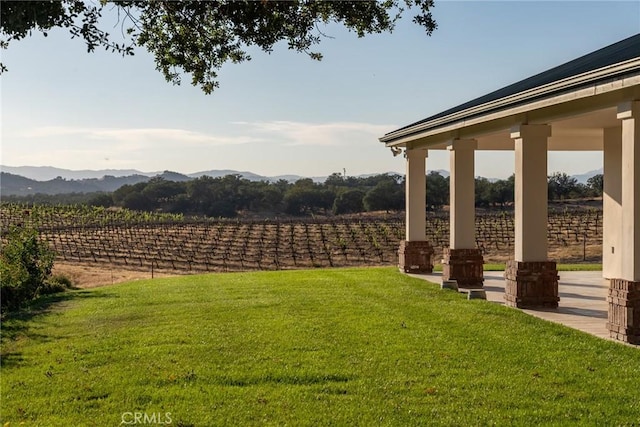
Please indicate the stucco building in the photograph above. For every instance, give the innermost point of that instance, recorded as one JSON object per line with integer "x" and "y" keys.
{"x": 590, "y": 103}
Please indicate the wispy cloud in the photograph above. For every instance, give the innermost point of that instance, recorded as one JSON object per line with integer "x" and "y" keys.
{"x": 332, "y": 133}
{"x": 139, "y": 136}
{"x": 288, "y": 132}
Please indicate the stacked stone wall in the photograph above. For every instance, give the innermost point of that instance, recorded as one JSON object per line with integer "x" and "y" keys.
{"x": 463, "y": 266}
{"x": 531, "y": 284}
{"x": 415, "y": 257}
{"x": 624, "y": 310}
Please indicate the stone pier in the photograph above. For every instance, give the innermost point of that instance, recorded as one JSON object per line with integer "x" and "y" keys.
{"x": 415, "y": 257}
{"x": 464, "y": 266}
{"x": 531, "y": 284}
{"x": 624, "y": 310}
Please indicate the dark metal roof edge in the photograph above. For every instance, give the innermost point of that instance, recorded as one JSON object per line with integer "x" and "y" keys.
{"x": 622, "y": 51}
{"x": 517, "y": 103}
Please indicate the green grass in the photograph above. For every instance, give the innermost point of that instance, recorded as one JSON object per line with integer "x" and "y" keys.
{"x": 579, "y": 267}
{"x": 322, "y": 347}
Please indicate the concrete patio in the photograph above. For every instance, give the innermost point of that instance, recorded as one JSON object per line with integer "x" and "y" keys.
{"x": 583, "y": 299}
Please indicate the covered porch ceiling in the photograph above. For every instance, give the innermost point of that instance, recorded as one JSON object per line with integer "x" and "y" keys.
{"x": 582, "y": 132}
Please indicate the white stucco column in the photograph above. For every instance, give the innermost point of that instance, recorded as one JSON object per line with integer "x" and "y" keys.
{"x": 530, "y": 279}
{"x": 623, "y": 297}
{"x": 416, "y": 195}
{"x": 531, "y": 192}
{"x": 461, "y": 261}
{"x": 629, "y": 113}
{"x": 612, "y": 204}
{"x": 462, "y": 194}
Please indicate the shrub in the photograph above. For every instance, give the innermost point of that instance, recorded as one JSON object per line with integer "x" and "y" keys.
{"x": 25, "y": 266}
{"x": 55, "y": 284}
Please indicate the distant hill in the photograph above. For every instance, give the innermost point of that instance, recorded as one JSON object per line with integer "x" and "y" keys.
{"x": 224, "y": 172}
{"x": 25, "y": 180}
{"x": 583, "y": 177}
{"x": 11, "y": 184}
{"x": 174, "y": 176}
{"x": 15, "y": 184}
{"x": 47, "y": 173}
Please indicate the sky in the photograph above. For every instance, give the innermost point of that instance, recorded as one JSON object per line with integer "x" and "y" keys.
{"x": 284, "y": 113}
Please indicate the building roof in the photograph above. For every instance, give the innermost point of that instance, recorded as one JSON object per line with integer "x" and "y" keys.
{"x": 616, "y": 53}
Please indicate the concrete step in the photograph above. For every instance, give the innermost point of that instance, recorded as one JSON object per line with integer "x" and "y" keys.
{"x": 474, "y": 293}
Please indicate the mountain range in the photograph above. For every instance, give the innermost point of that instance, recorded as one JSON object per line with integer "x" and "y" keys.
{"x": 25, "y": 180}
{"x": 47, "y": 173}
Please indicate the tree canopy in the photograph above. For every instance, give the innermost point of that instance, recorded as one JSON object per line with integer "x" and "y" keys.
{"x": 232, "y": 195}
{"x": 198, "y": 37}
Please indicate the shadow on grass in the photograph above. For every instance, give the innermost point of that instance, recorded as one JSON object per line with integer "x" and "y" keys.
{"x": 17, "y": 324}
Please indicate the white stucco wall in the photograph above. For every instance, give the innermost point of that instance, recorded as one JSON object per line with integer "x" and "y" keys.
{"x": 416, "y": 195}
{"x": 612, "y": 251}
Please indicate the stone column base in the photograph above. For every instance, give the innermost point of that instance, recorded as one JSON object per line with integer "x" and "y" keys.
{"x": 464, "y": 266}
{"x": 415, "y": 257}
{"x": 531, "y": 284}
{"x": 624, "y": 310}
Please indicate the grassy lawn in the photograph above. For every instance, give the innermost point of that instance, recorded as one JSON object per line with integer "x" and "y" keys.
{"x": 321, "y": 347}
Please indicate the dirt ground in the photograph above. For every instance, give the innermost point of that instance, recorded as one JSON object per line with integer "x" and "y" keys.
{"x": 89, "y": 276}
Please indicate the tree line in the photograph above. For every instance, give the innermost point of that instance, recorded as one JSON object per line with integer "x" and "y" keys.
{"x": 230, "y": 195}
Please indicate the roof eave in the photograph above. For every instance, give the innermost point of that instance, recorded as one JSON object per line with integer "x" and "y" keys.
{"x": 399, "y": 137}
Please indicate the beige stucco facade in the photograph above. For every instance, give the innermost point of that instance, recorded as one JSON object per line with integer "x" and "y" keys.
{"x": 462, "y": 194}
{"x": 416, "y": 184}
{"x": 612, "y": 203}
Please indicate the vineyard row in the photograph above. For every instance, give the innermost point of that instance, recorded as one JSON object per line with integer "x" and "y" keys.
{"x": 199, "y": 246}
